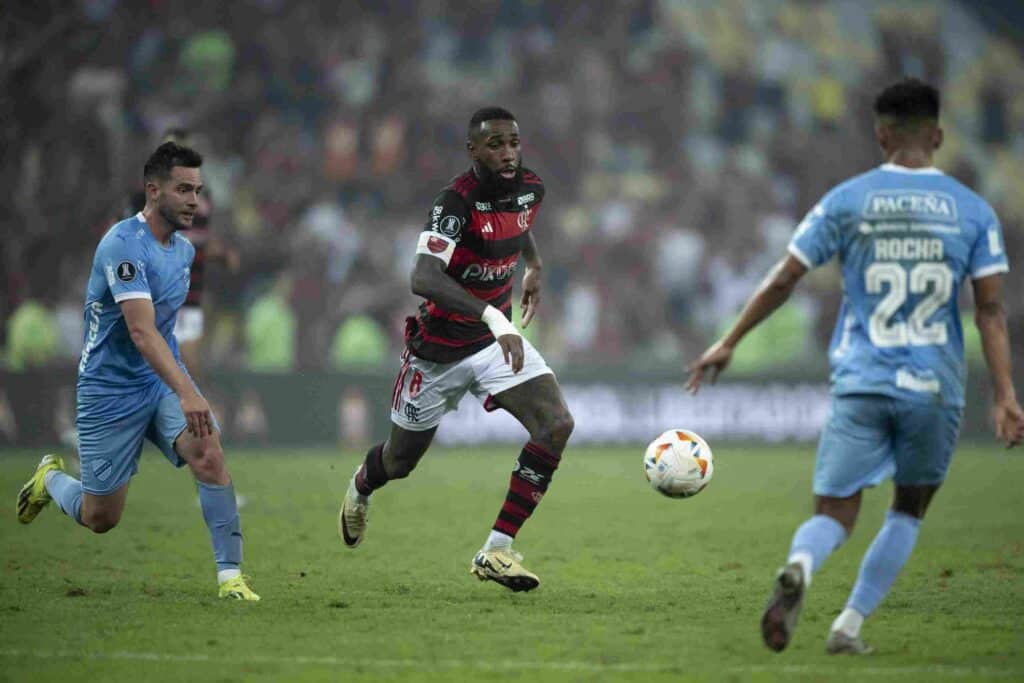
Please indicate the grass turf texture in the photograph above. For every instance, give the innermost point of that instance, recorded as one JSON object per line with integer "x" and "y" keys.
{"x": 634, "y": 586}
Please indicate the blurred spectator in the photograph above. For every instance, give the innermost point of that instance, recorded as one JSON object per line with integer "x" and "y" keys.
{"x": 359, "y": 343}
{"x": 270, "y": 332}
{"x": 680, "y": 143}
{"x": 32, "y": 336}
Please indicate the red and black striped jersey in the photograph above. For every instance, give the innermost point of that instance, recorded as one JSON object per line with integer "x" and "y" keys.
{"x": 198, "y": 235}
{"x": 479, "y": 238}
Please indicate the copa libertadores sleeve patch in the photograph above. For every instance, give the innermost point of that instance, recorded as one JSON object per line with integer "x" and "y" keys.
{"x": 126, "y": 271}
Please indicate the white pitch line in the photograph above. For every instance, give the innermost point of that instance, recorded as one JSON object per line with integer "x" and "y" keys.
{"x": 511, "y": 665}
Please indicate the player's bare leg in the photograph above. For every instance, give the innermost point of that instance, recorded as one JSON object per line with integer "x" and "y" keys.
{"x": 881, "y": 565}
{"x": 393, "y": 459}
{"x": 537, "y": 404}
{"x": 833, "y": 521}
{"x": 843, "y": 510}
{"x": 205, "y": 458}
{"x": 913, "y": 500}
{"x": 102, "y": 513}
{"x": 98, "y": 513}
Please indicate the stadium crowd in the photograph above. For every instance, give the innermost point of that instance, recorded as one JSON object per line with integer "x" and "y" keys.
{"x": 680, "y": 143}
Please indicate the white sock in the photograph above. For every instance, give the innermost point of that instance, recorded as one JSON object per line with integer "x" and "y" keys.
{"x": 227, "y": 574}
{"x": 849, "y": 622}
{"x": 806, "y": 562}
{"x": 498, "y": 540}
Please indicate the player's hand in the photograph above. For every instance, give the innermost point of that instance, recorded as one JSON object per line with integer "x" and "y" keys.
{"x": 512, "y": 349}
{"x": 1008, "y": 419}
{"x": 712, "y": 361}
{"x": 531, "y": 294}
{"x": 197, "y": 415}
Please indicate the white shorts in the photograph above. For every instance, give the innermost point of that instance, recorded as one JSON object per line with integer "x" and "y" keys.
{"x": 189, "y": 325}
{"x": 425, "y": 391}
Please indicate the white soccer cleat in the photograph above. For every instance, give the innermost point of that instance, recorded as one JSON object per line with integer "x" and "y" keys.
{"x": 353, "y": 515}
{"x": 839, "y": 643}
{"x": 503, "y": 566}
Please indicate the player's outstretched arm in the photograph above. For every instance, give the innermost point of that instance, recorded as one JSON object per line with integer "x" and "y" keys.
{"x": 140, "y": 319}
{"x": 770, "y": 294}
{"x": 990, "y": 318}
{"x": 531, "y": 280}
{"x": 430, "y": 281}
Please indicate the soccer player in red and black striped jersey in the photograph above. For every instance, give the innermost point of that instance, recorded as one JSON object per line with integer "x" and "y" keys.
{"x": 463, "y": 340}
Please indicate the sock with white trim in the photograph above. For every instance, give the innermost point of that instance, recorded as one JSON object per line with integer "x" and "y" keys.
{"x": 883, "y": 561}
{"x": 813, "y": 542}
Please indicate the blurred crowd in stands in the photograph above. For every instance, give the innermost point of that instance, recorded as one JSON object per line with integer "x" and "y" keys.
{"x": 680, "y": 142}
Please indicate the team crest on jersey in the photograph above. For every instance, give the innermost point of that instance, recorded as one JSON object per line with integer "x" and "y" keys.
{"x": 436, "y": 245}
{"x": 126, "y": 271}
{"x": 524, "y": 219}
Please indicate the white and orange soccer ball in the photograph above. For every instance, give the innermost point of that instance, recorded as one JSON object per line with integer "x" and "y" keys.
{"x": 678, "y": 463}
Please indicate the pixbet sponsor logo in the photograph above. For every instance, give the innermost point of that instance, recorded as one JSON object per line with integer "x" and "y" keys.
{"x": 484, "y": 273}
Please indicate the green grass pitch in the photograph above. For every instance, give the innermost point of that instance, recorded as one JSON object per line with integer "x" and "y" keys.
{"x": 634, "y": 586}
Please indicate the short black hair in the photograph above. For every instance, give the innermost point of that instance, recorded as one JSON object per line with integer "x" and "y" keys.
{"x": 488, "y": 114}
{"x": 908, "y": 101}
{"x": 167, "y": 156}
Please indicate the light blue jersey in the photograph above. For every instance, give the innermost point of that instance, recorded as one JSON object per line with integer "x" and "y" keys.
{"x": 130, "y": 263}
{"x": 906, "y": 240}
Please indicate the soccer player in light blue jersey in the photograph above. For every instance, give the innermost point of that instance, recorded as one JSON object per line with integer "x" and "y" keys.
{"x": 131, "y": 382}
{"x": 906, "y": 236}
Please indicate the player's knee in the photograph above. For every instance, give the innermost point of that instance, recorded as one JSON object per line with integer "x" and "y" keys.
{"x": 209, "y": 466}
{"x": 557, "y": 430}
{"x": 102, "y": 521}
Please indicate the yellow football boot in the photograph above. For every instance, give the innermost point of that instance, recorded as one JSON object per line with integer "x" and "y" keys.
{"x": 33, "y": 496}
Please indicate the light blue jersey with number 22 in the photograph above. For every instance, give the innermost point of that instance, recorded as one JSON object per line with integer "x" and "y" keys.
{"x": 906, "y": 240}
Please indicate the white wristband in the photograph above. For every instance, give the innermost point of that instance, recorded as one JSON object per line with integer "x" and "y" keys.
{"x": 498, "y": 323}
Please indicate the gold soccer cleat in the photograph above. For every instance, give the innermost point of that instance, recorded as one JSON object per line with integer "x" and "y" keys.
{"x": 503, "y": 566}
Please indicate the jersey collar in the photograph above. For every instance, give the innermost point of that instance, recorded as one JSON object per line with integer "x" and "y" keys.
{"x": 896, "y": 168}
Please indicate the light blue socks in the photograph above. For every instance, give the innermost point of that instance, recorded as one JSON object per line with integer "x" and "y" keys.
{"x": 66, "y": 491}
{"x": 885, "y": 558}
{"x": 220, "y": 511}
{"x": 814, "y": 541}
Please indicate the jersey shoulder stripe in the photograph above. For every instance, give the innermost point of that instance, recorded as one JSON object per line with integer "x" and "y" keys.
{"x": 464, "y": 184}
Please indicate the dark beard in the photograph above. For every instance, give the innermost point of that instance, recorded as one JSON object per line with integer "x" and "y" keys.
{"x": 172, "y": 220}
{"x": 493, "y": 185}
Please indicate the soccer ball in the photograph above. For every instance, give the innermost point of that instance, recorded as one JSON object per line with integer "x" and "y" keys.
{"x": 678, "y": 464}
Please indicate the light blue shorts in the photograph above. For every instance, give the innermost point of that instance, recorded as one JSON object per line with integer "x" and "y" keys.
{"x": 111, "y": 429}
{"x": 870, "y": 437}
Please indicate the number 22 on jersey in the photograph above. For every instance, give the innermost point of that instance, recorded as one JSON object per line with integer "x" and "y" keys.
{"x": 899, "y": 282}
